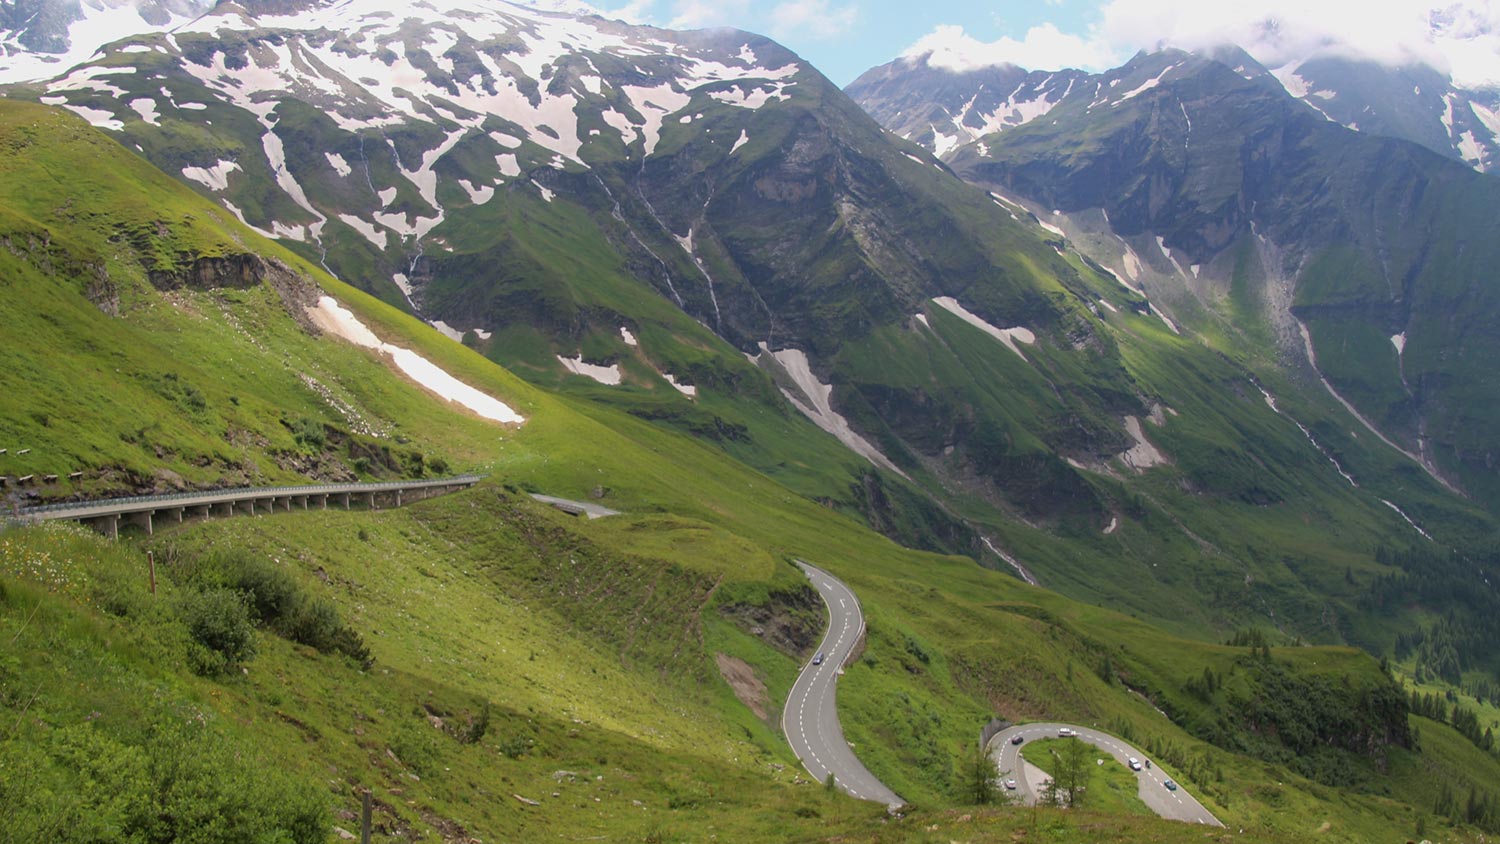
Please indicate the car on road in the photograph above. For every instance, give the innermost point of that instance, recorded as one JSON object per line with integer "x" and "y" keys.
{"x": 1171, "y": 786}
{"x": 1010, "y": 785}
{"x": 1135, "y": 764}
{"x": 1067, "y": 732}
{"x": 818, "y": 660}
{"x": 1017, "y": 739}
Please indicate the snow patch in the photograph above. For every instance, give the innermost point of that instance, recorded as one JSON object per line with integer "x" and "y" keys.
{"x": 1399, "y": 341}
{"x": 628, "y": 337}
{"x": 1114, "y": 522}
{"x": 86, "y": 79}
{"x": 506, "y": 141}
{"x": 743, "y": 139}
{"x": 1132, "y": 264}
{"x": 338, "y": 163}
{"x": 654, "y": 104}
{"x": 1007, "y": 336}
{"x": 508, "y": 165}
{"x": 377, "y": 237}
{"x": 215, "y": 178}
{"x": 1143, "y": 455}
{"x": 97, "y": 117}
{"x": 603, "y": 374}
{"x": 477, "y": 195}
{"x": 146, "y": 108}
{"x": 403, "y": 284}
{"x": 1145, "y": 86}
{"x": 1163, "y": 317}
{"x": 1490, "y": 119}
{"x": 340, "y": 322}
{"x": 1402, "y": 514}
{"x": 751, "y": 96}
{"x": 546, "y": 194}
{"x": 447, "y": 330}
{"x": 941, "y": 143}
{"x": 1469, "y": 148}
{"x": 1027, "y": 576}
{"x": 686, "y": 389}
{"x": 817, "y": 405}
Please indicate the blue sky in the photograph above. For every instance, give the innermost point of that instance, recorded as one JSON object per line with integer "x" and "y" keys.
{"x": 844, "y": 38}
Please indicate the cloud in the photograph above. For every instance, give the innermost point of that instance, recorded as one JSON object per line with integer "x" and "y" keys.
{"x": 1043, "y": 48}
{"x": 701, "y": 14}
{"x": 634, "y": 12}
{"x": 812, "y": 18}
{"x": 1462, "y": 37}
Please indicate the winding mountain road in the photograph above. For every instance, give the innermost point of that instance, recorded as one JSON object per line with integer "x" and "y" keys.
{"x": 1174, "y": 805}
{"x": 810, "y": 719}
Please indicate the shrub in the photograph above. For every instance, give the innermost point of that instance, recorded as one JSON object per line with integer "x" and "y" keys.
{"x": 219, "y": 623}
{"x": 271, "y": 591}
{"x": 309, "y": 433}
{"x": 315, "y": 622}
{"x": 179, "y": 779}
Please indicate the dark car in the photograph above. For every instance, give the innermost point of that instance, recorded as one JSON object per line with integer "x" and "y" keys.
{"x": 1171, "y": 786}
{"x": 1017, "y": 739}
{"x": 818, "y": 660}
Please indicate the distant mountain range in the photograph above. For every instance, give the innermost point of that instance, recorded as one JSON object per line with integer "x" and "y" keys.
{"x": 1200, "y": 179}
{"x": 942, "y": 108}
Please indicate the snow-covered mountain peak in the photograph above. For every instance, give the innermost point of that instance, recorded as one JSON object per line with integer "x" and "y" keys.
{"x": 375, "y": 121}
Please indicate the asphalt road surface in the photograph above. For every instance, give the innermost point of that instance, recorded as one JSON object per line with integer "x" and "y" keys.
{"x": 1174, "y": 805}
{"x": 810, "y": 719}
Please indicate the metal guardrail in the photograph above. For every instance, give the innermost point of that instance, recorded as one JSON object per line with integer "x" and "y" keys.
{"x": 187, "y": 499}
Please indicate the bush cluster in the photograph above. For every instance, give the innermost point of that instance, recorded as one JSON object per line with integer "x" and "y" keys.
{"x": 230, "y": 592}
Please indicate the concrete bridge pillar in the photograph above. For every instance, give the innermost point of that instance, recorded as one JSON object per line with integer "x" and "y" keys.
{"x": 107, "y": 525}
{"x": 143, "y": 519}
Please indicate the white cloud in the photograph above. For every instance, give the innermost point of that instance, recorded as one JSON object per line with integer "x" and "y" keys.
{"x": 1462, "y": 37}
{"x": 1043, "y": 48}
{"x": 812, "y": 18}
{"x": 701, "y": 14}
{"x": 634, "y": 12}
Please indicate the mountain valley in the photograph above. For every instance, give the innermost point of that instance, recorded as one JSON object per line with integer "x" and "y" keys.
{"x": 1095, "y": 405}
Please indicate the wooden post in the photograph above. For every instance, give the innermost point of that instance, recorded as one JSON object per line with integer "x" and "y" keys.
{"x": 364, "y": 820}
{"x": 151, "y": 562}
